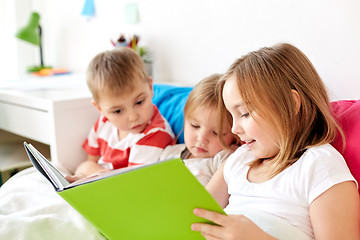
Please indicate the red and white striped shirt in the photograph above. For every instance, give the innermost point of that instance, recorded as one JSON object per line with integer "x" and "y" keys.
{"x": 134, "y": 149}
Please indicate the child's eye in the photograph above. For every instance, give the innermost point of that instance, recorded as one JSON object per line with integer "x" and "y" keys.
{"x": 140, "y": 102}
{"x": 245, "y": 115}
{"x": 225, "y": 134}
{"x": 195, "y": 126}
{"x": 117, "y": 111}
{"x": 214, "y": 133}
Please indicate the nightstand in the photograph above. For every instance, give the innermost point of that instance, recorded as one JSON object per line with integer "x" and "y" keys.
{"x": 56, "y": 111}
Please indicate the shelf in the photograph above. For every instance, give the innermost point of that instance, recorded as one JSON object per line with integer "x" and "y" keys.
{"x": 13, "y": 155}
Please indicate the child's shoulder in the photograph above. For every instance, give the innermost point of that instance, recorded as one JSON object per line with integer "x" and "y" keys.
{"x": 102, "y": 124}
{"x": 239, "y": 159}
{"x": 222, "y": 155}
{"x": 242, "y": 155}
{"x": 172, "y": 151}
{"x": 323, "y": 157}
{"x": 322, "y": 167}
{"x": 158, "y": 123}
{"x": 324, "y": 152}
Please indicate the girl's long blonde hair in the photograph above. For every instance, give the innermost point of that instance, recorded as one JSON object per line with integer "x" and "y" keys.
{"x": 266, "y": 79}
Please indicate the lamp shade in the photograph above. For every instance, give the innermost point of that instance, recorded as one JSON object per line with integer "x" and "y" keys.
{"x": 30, "y": 33}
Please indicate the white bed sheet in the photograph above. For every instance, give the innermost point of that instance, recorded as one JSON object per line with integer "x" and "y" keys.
{"x": 31, "y": 209}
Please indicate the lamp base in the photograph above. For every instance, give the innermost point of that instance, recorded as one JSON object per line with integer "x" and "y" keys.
{"x": 37, "y": 68}
{"x": 49, "y": 71}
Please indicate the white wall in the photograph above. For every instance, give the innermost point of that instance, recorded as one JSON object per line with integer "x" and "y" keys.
{"x": 194, "y": 38}
{"x": 8, "y": 58}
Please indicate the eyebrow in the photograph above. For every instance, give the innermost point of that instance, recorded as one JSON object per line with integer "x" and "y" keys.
{"x": 241, "y": 104}
{"x": 142, "y": 94}
{"x": 115, "y": 108}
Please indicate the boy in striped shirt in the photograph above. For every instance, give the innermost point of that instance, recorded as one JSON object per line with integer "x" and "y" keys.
{"x": 130, "y": 130}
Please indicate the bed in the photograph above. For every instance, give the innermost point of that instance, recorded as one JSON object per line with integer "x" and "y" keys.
{"x": 31, "y": 209}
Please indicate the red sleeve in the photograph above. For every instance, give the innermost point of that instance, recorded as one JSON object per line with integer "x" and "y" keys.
{"x": 90, "y": 150}
{"x": 158, "y": 139}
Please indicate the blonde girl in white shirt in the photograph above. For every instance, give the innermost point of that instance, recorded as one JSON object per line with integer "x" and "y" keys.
{"x": 287, "y": 168}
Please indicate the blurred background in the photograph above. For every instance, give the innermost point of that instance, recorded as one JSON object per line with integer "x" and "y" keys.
{"x": 189, "y": 39}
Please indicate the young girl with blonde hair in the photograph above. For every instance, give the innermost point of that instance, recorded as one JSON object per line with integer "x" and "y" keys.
{"x": 286, "y": 168}
{"x": 202, "y": 152}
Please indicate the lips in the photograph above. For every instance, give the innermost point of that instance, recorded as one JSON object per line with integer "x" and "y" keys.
{"x": 199, "y": 149}
{"x": 136, "y": 127}
{"x": 249, "y": 143}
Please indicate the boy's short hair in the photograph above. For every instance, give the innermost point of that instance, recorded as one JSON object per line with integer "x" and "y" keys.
{"x": 115, "y": 70}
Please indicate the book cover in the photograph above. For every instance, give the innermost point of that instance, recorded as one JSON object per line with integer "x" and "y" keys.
{"x": 154, "y": 201}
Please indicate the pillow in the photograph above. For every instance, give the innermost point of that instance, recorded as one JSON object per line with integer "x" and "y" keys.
{"x": 347, "y": 113}
{"x": 170, "y": 101}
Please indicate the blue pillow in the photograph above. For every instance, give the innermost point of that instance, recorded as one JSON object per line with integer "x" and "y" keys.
{"x": 170, "y": 101}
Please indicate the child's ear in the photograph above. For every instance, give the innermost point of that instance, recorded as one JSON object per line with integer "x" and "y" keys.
{"x": 151, "y": 86}
{"x": 297, "y": 99}
{"x": 96, "y": 105}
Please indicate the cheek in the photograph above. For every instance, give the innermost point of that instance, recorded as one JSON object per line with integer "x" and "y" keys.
{"x": 250, "y": 127}
{"x": 189, "y": 140}
{"x": 229, "y": 138}
{"x": 216, "y": 145}
{"x": 188, "y": 134}
{"x": 189, "y": 130}
{"x": 118, "y": 122}
{"x": 149, "y": 111}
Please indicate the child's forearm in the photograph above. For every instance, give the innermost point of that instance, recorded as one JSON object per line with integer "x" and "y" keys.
{"x": 88, "y": 168}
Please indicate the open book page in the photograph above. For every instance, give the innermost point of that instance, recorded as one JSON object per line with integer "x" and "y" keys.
{"x": 103, "y": 175}
{"x": 58, "y": 181}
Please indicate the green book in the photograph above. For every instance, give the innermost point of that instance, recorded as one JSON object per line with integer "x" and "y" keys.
{"x": 154, "y": 201}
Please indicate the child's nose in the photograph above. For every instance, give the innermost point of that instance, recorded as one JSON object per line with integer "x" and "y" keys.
{"x": 133, "y": 116}
{"x": 237, "y": 128}
{"x": 203, "y": 136}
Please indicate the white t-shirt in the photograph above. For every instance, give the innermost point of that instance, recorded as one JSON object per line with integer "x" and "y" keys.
{"x": 202, "y": 168}
{"x": 289, "y": 194}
